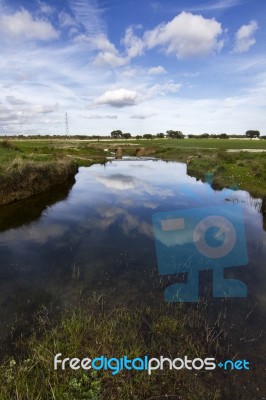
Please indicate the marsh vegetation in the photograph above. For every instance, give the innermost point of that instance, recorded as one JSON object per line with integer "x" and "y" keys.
{"x": 79, "y": 272}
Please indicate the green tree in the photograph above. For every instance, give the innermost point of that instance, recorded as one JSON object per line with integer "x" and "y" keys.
{"x": 126, "y": 135}
{"x": 252, "y": 134}
{"x": 116, "y": 134}
{"x": 147, "y": 136}
{"x": 175, "y": 134}
{"x": 223, "y": 136}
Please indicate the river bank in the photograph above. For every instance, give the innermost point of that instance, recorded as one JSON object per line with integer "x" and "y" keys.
{"x": 91, "y": 329}
{"x": 29, "y": 167}
{"x": 22, "y": 179}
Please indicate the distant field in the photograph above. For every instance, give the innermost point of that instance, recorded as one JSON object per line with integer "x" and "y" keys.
{"x": 205, "y": 143}
{"x": 184, "y": 143}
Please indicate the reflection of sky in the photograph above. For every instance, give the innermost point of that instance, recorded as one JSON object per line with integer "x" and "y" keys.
{"x": 109, "y": 205}
{"x": 129, "y": 190}
{"x": 38, "y": 233}
{"x": 148, "y": 185}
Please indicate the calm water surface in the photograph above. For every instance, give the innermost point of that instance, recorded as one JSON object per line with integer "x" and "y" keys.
{"x": 99, "y": 232}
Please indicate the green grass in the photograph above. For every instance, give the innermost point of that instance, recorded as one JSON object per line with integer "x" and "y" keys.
{"x": 198, "y": 143}
{"x": 52, "y": 150}
{"x": 93, "y": 329}
{"x": 25, "y": 174}
{"x": 22, "y": 174}
{"x": 244, "y": 168}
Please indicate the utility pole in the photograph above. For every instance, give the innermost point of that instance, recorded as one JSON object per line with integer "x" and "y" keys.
{"x": 66, "y": 125}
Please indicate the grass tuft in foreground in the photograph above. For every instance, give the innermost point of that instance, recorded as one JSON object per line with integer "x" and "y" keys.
{"x": 94, "y": 329}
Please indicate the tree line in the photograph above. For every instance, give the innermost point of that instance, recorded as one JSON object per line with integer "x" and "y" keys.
{"x": 118, "y": 134}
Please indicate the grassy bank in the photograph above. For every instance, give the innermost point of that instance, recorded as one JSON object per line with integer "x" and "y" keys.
{"x": 22, "y": 177}
{"x": 244, "y": 168}
{"x": 80, "y": 152}
{"x": 92, "y": 329}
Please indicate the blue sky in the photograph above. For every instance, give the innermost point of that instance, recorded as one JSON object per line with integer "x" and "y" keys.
{"x": 140, "y": 66}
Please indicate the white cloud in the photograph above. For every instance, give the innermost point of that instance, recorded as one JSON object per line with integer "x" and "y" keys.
{"x": 129, "y": 73}
{"x": 23, "y": 25}
{"x": 66, "y": 20}
{"x": 19, "y": 113}
{"x": 127, "y": 182}
{"x": 118, "y": 98}
{"x": 150, "y": 204}
{"x": 162, "y": 89}
{"x": 45, "y": 8}
{"x": 187, "y": 35}
{"x": 73, "y": 32}
{"x": 124, "y": 97}
{"x": 118, "y": 182}
{"x": 143, "y": 115}
{"x": 7, "y": 115}
{"x": 108, "y": 55}
{"x": 44, "y": 109}
{"x": 14, "y": 101}
{"x": 101, "y": 42}
{"x": 245, "y": 37}
{"x": 220, "y": 4}
{"x": 99, "y": 116}
{"x": 35, "y": 233}
{"x": 134, "y": 45}
{"x": 89, "y": 15}
{"x": 109, "y": 59}
{"x": 156, "y": 70}
{"x": 210, "y": 6}
{"x": 129, "y": 223}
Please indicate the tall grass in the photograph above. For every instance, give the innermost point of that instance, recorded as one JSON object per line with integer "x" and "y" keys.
{"x": 93, "y": 329}
{"x": 22, "y": 178}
